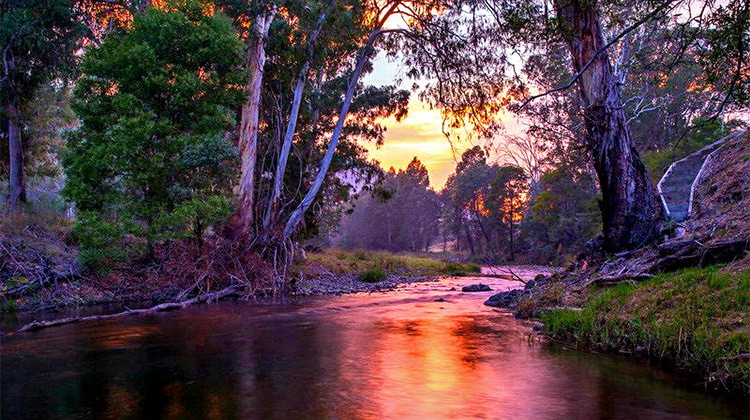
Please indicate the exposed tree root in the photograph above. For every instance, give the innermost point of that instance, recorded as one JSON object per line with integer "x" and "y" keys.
{"x": 169, "y": 306}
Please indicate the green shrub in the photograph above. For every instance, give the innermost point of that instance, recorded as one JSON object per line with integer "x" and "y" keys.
{"x": 373, "y": 275}
{"x": 149, "y": 161}
{"x": 458, "y": 269}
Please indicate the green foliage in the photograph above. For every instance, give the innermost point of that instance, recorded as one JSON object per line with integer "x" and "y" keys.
{"x": 695, "y": 318}
{"x": 150, "y": 161}
{"x": 102, "y": 242}
{"x": 8, "y": 305}
{"x": 373, "y": 275}
{"x": 459, "y": 269}
{"x": 192, "y": 217}
{"x": 563, "y": 215}
{"x": 37, "y": 38}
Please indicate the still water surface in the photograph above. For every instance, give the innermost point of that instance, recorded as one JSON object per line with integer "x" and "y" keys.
{"x": 400, "y": 355}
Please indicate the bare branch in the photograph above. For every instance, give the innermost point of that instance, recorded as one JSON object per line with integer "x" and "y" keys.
{"x": 619, "y": 36}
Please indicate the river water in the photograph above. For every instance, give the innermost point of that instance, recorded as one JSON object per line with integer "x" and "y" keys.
{"x": 399, "y": 355}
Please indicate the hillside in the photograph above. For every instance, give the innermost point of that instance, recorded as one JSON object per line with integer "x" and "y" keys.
{"x": 721, "y": 207}
{"x": 681, "y": 301}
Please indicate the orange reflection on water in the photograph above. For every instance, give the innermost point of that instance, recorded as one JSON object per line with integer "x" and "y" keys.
{"x": 429, "y": 369}
{"x": 123, "y": 337}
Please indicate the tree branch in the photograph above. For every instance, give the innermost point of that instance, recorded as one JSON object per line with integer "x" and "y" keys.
{"x": 578, "y": 75}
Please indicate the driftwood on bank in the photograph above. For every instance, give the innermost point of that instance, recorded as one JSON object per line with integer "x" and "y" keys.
{"x": 669, "y": 256}
{"x": 682, "y": 254}
{"x": 169, "y": 306}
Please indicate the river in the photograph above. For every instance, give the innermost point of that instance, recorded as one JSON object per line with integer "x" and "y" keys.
{"x": 420, "y": 352}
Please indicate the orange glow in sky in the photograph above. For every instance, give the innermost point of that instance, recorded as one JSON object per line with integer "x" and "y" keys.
{"x": 420, "y": 133}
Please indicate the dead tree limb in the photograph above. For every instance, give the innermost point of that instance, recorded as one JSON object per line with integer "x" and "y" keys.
{"x": 169, "y": 306}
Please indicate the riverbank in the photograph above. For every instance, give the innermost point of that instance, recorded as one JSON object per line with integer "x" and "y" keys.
{"x": 326, "y": 272}
{"x": 695, "y": 321}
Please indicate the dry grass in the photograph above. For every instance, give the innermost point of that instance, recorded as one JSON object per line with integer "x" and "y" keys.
{"x": 358, "y": 262}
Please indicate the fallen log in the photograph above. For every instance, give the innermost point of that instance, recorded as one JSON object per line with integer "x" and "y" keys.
{"x": 612, "y": 280}
{"x": 701, "y": 255}
{"x": 724, "y": 252}
{"x": 677, "y": 247}
{"x": 163, "y": 307}
{"x": 606, "y": 281}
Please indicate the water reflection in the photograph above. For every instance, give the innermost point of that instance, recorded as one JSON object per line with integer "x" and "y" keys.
{"x": 395, "y": 356}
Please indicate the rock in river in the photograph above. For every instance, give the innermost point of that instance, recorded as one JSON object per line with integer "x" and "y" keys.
{"x": 476, "y": 288}
{"x": 504, "y": 299}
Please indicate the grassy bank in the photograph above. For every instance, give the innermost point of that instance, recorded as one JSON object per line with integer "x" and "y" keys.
{"x": 696, "y": 320}
{"x": 371, "y": 266}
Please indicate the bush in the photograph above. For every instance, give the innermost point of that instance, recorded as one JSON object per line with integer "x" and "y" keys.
{"x": 373, "y": 275}
{"x": 149, "y": 161}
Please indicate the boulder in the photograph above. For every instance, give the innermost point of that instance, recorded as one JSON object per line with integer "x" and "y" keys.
{"x": 476, "y": 288}
{"x": 504, "y": 299}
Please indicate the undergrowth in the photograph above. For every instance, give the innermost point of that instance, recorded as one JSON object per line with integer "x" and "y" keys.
{"x": 695, "y": 319}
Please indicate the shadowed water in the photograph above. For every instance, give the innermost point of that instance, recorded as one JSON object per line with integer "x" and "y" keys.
{"x": 400, "y": 355}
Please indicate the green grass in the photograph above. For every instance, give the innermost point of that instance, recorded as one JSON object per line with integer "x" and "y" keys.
{"x": 367, "y": 263}
{"x": 695, "y": 319}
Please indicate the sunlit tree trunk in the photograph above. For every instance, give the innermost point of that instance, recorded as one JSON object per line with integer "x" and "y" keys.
{"x": 286, "y": 147}
{"x": 299, "y": 212}
{"x": 16, "y": 178}
{"x": 249, "y": 127}
{"x": 630, "y": 207}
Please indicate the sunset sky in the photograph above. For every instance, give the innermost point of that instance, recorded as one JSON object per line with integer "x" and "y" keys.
{"x": 419, "y": 134}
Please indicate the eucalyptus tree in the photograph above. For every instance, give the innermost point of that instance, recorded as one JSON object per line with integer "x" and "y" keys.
{"x": 506, "y": 199}
{"x": 261, "y": 17}
{"x": 37, "y": 39}
{"x": 467, "y": 192}
{"x": 401, "y": 214}
{"x": 473, "y": 56}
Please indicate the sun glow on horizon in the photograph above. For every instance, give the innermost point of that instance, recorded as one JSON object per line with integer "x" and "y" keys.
{"x": 420, "y": 135}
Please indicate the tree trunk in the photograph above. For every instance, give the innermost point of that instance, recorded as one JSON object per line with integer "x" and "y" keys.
{"x": 248, "y": 141}
{"x": 17, "y": 177}
{"x": 512, "y": 251}
{"x": 291, "y": 126}
{"x": 631, "y": 212}
{"x": 299, "y": 212}
{"x": 469, "y": 239}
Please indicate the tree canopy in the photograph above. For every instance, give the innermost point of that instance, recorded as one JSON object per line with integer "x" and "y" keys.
{"x": 150, "y": 158}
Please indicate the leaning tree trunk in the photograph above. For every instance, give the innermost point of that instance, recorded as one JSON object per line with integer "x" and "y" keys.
{"x": 286, "y": 147}
{"x": 248, "y": 133}
{"x": 16, "y": 178}
{"x": 298, "y": 213}
{"x": 631, "y": 211}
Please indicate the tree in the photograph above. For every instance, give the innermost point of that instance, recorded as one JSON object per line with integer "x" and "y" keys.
{"x": 37, "y": 38}
{"x": 563, "y": 215}
{"x": 376, "y": 16}
{"x": 497, "y": 33}
{"x": 401, "y": 214}
{"x": 467, "y": 192}
{"x": 261, "y": 20}
{"x": 150, "y": 159}
{"x": 506, "y": 199}
{"x": 631, "y": 211}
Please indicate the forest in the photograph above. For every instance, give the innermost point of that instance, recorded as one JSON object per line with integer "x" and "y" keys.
{"x": 169, "y": 127}
{"x": 160, "y": 154}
